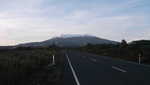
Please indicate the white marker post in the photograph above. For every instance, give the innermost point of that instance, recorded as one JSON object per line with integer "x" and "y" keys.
{"x": 140, "y": 58}
{"x": 53, "y": 63}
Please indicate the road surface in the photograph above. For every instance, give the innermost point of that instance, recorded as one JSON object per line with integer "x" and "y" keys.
{"x": 88, "y": 69}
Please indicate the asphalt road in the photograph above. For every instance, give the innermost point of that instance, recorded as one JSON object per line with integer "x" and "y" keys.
{"x": 88, "y": 69}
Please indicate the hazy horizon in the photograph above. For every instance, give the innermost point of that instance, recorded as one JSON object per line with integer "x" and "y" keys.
{"x": 38, "y": 20}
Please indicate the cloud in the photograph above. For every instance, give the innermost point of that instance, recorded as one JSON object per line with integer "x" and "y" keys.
{"x": 37, "y": 20}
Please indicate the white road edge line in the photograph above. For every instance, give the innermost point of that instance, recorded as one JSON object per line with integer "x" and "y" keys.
{"x": 119, "y": 69}
{"x": 73, "y": 71}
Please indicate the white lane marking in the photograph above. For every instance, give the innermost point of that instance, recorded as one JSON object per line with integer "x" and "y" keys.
{"x": 119, "y": 69}
{"x": 73, "y": 71}
{"x": 94, "y": 60}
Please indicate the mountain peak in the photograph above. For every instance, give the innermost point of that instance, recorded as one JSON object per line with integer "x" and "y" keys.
{"x": 75, "y": 35}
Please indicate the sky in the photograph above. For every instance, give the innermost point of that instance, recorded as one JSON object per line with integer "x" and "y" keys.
{"x": 37, "y": 20}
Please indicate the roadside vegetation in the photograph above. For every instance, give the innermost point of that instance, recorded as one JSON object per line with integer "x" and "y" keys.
{"x": 33, "y": 66}
{"x": 30, "y": 66}
{"x": 126, "y": 51}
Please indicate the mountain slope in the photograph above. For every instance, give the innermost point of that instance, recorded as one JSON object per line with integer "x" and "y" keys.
{"x": 74, "y": 41}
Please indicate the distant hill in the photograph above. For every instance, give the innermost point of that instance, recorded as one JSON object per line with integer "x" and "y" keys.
{"x": 71, "y": 41}
{"x": 6, "y": 47}
{"x": 141, "y": 43}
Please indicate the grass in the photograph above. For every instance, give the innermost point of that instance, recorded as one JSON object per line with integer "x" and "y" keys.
{"x": 28, "y": 66}
{"x": 129, "y": 52}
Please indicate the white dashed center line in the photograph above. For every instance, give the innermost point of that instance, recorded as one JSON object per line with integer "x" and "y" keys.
{"x": 118, "y": 69}
{"x": 94, "y": 60}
